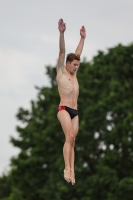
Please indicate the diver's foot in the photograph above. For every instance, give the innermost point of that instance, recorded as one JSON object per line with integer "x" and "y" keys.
{"x": 67, "y": 175}
{"x": 72, "y": 176}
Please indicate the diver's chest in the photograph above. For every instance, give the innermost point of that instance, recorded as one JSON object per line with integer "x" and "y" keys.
{"x": 71, "y": 82}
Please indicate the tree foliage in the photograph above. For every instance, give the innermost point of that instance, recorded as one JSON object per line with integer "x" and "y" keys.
{"x": 5, "y": 186}
{"x": 104, "y": 145}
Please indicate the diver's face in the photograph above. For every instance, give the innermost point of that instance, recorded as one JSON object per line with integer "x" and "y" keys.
{"x": 73, "y": 66}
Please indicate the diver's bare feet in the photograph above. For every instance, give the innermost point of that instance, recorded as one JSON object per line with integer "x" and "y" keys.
{"x": 72, "y": 177}
{"x": 67, "y": 175}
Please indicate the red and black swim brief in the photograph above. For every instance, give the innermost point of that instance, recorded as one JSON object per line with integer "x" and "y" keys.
{"x": 72, "y": 112}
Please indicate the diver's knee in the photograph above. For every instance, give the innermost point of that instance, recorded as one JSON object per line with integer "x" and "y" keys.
{"x": 71, "y": 138}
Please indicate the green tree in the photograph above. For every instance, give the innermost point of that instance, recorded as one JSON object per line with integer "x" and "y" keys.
{"x": 5, "y": 186}
{"x": 104, "y": 145}
{"x": 109, "y": 129}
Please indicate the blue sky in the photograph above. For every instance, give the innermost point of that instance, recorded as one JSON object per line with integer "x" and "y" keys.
{"x": 29, "y": 41}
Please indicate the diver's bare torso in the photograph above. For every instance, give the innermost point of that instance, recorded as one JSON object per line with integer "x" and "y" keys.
{"x": 68, "y": 88}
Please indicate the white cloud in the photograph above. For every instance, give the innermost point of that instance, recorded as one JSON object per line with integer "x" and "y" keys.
{"x": 17, "y": 68}
{"x": 51, "y": 39}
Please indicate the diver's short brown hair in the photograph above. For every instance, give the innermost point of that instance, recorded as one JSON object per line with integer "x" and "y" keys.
{"x": 72, "y": 56}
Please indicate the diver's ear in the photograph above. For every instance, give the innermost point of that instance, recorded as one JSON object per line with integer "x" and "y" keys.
{"x": 67, "y": 63}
